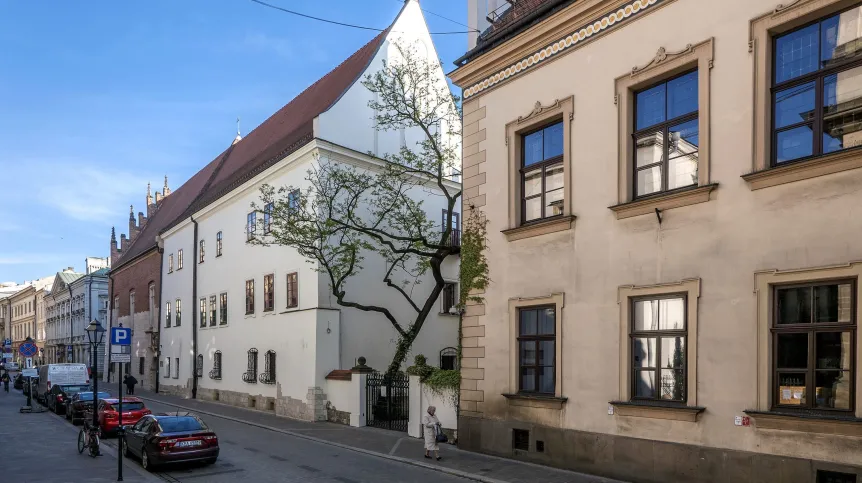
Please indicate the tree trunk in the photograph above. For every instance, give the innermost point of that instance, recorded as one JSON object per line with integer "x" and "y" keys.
{"x": 403, "y": 348}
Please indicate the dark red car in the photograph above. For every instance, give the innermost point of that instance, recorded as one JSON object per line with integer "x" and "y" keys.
{"x": 109, "y": 418}
{"x": 163, "y": 439}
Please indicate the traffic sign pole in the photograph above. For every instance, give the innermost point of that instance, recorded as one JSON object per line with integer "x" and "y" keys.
{"x": 122, "y": 338}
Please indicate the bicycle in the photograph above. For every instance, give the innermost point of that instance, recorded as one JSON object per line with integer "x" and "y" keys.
{"x": 88, "y": 438}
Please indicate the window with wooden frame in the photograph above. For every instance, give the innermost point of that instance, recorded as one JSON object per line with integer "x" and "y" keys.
{"x": 293, "y": 201}
{"x": 268, "y": 374}
{"x": 178, "y": 320}
{"x": 268, "y": 295}
{"x": 666, "y": 136}
{"x": 212, "y": 310}
{"x": 292, "y": 290}
{"x": 658, "y": 348}
{"x": 171, "y": 263}
{"x": 203, "y": 312}
{"x": 455, "y": 235}
{"x": 167, "y": 314}
{"x": 201, "y": 251}
{"x": 251, "y": 224}
{"x": 541, "y": 172}
{"x": 816, "y": 94}
{"x": 536, "y": 349}
{"x": 249, "y": 297}
{"x": 215, "y": 373}
{"x": 250, "y": 375}
{"x": 223, "y": 308}
{"x": 179, "y": 259}
{"x": 449, "y": 298}
{"x": 267, "y": 218}
{"x": 218, "y": 244}
{"x": 814, "y": 341}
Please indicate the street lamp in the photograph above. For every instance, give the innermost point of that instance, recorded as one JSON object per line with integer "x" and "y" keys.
{"x": 96, "y": 336}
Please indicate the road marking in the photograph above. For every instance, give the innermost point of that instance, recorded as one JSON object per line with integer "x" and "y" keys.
{"x": 213, "y": 473}
{"x": 278, "y": 458}
{"x": 309, "y": 468}
{"x": 395, "y": 446}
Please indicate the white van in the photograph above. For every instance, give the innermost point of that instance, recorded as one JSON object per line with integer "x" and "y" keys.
{"x": 60, "y": 375}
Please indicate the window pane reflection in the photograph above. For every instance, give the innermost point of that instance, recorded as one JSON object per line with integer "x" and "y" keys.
{"x": 649, "y": 181}
{"x": 672, "y": 314}
{"x": 832, "y": 389}
{"x": 650, "y": 149}
{"x": 644, "y": 352}
{"x": 794, "y": 144}
{"x": 842, "y": 110}
{"x": 528, "y": 353}
{"x": 794, "y": 105}
{"x": 672, "y": 352}
{"x": 672, "y": 385}
{"x": 840, "y": 37}
{"x": 553, "y": 137}
{"x": 645, "y": 384}
{"x": 682, "y": 95}
{"x": 794, "y": 305}
{"x": 650, "y": 106}
{"x": 533, "y": 147}
{"x": 792, "y": 351}
{"x": 533, "y": 183}
{"x": 797, "y": 53}
{"x": 833, "y": 350}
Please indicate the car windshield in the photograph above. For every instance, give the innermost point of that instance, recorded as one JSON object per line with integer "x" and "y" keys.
{"x": 74, "y": 389}
{"x": 88, "y": 396}
{"x": 181, "y": 423}
{"x": 129, "y": 406}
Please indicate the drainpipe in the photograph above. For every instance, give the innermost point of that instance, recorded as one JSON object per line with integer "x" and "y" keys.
{"x": 194, "y": 313}
{"x": 111, "y": 305}
{"x": 70, "y": 330}
{"x": 158, "y": 328}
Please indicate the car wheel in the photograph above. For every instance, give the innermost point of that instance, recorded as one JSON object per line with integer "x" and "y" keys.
{"x": 210, "y": 461}
{"x": 125, "y": 446}
{"x": 145, "y": 461}
{"x": 69, "y": 416}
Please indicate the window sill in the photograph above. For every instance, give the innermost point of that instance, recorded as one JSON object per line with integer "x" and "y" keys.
{"x": 249, "y": 316}
{"x": 545, "y": 227}
{"x": 797, "y": 171}
{"x": 657, "y": 410}
{"x": 665, "y": 201}
{"x": 839, "y": 424}
{"x": 447, "y": 314}
{"x": 536, "y": 401}
{"x": 268, "y": 312}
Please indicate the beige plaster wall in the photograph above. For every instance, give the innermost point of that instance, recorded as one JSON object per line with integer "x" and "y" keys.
{"x": 721, "y": 242}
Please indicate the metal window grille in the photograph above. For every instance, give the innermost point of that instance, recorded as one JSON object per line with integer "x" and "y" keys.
{"x": 268, "y": 374}
{"x": 223, "y": 309}
{"x": 215, "y": 373}
{"x": 250, "y": 375}
{"x": 199, "y": 366}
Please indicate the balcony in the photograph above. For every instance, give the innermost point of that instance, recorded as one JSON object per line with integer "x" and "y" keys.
{"x": 454, "y": 240}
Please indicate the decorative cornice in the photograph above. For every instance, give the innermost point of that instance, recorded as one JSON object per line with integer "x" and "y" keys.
{"x": 660, "y": 56}
{"x": 538, "y": 109}
{"x": 568, "y": 42}
{"x": 783, "y": 6}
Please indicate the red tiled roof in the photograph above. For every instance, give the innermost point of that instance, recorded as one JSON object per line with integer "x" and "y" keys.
{"x": 340, "y": 375}
{"x": 285, "y": 131}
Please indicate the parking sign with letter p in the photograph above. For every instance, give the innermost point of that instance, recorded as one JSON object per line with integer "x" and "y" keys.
{"x": 121, "y": 336}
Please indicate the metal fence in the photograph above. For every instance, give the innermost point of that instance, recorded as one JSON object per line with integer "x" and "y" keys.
{"x": 388, "y": 401}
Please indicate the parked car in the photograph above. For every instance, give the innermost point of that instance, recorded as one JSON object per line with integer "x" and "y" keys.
{"x": 109, "y": 418}
{"x": 81, "y": 405}
{"x": 19, "y": 382}
{"x": 164, "y": 439}
{"x": 59, "y": 374}
{"x": 59, "y": 394}
{"x": 11, "y": 366}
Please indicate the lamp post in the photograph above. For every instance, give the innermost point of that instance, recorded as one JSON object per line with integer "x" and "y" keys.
{"x": 96, "y": 336}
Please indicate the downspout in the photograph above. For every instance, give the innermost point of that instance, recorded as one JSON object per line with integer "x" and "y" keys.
{"x": 194, "y": 312}
{"x": 70, "y": 333}
{"x": 110, "y": 304}
{"x": 161, "y": 249}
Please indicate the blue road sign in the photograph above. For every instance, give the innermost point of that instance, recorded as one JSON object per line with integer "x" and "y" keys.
{"x": 28, "y": 349}
{"x": 121, "y": 336}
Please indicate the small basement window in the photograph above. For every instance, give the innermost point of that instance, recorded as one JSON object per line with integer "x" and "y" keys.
{"x": 521, "y": 439}
{"x": 835, "y": 477}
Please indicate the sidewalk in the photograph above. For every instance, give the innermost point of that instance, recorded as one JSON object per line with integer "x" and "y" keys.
{"x": 385, "y": 444}
{"x": 43, "y": 447}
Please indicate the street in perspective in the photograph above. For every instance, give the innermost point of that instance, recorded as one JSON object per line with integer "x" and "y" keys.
{"x": 502, "y": 241}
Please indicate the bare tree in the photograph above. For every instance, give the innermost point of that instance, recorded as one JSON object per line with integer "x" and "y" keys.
{"x": 346, "y": 214}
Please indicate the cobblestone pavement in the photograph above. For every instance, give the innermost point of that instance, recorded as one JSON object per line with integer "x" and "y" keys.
{"x": 262, "y": 445}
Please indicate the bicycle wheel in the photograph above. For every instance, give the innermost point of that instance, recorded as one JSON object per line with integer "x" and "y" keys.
{"x": 82, "y": 441}
{"x": 94, "y": 446}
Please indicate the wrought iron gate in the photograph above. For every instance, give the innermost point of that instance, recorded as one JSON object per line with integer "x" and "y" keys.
{"x": 388, "y": 401}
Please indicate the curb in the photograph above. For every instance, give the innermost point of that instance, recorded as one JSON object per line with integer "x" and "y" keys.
{"x": 441, "y": 469}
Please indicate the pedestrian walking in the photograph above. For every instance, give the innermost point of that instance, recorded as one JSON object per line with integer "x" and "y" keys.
{"x": 432, "y": 433}
{"x": 5, "y": 379}
{"x": 130, "y": 382}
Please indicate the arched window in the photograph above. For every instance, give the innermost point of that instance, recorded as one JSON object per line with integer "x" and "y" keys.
{"x": 250, "y": 375}
{"x": 449, "y": 359}
{"x": 216, "y": 372}
{"x": 268, "y": 374}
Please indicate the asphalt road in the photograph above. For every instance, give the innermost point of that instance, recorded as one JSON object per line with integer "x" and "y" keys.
{"x": 255, "y": 454}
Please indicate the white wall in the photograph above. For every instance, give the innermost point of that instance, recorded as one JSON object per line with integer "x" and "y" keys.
{"x": 420, "y": 398}
{"x": 176, "y": 342}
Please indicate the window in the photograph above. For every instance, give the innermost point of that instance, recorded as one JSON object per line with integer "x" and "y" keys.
{"x": 215, "y": 373}
{"x": 268, "y": 374}
{"x": 151, "y": 303}
{"x": 268, "y": 296}
{"x": 167, "y": 367}
{"x": 292, "y": 290}
{"x": 218, "y": 244}
{"x": 536, "y": 347}
{"x": 542, "y": 173}
{"x": 199, "y": 366}
{"x": 815, "y": 93}
{"x": 179, "y": 259}
{"x": 203, "y": 312}
{"x": 824, "y": 476}
{"x": 267, "y": 218}
{"x": 132, "y": 302}
{"x": 658, "y": 348}
{"x": 178, "y": 320}
{"x": 212, "y": 310}
{"x": 223, "y": 309}
{"x": 249, "y": 297}
{"x": 176, "y": 368}
{"x": 449, "y": 359}
{"x": 666, "y": 136}
{"x": 201, "y": 252}
{"x": 814, "y": 330}
{"x": 141, "y": 365}
{"x": 455, "y": 234}
{"x": 250, "y": 375}
{"x": 167, "y": 314}
{"x": 293, "y": 201}
{"x": 170, "y": 263}
{"x": 251, "y": 222}
{"x": 449, "y": 297}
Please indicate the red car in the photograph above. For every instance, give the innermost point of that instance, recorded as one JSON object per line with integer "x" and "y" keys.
{"x": 109, "y": 418}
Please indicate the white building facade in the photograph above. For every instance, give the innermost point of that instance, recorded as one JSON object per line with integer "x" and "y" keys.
{"x": 258, "y": 326}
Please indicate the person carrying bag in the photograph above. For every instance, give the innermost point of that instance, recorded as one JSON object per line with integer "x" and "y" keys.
{"x": 433, "y": 433}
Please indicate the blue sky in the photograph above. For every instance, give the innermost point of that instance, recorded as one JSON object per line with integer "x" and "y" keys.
{"x": 99, "y": 97}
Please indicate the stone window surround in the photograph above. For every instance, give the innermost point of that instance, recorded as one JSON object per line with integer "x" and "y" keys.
{"x": 557, "y": 110}
{"x": 762, "y": 29}
{"x": 625, "y": 406}
{"x": 664, "y": 66}
{"x": 765, "y": 417}
{"x": 553, "y": 402}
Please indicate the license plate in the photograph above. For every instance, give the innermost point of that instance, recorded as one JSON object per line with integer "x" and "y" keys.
{"x": 185, "y": 444}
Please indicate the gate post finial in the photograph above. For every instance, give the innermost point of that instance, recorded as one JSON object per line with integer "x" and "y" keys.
{"x": 360, "y": 366}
